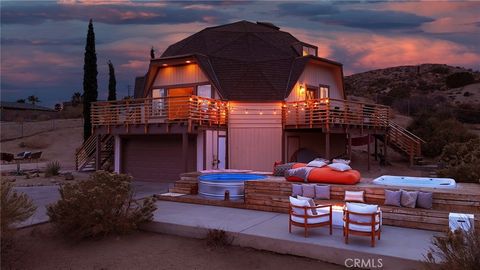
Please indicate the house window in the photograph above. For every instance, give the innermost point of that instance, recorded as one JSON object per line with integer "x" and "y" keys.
{"x": 324, "y": 91}
{"x": 309, "y": 51}
{"x": 204, "y": 90}
{"x": 158, "y": 102}
{"x": 311, "y": 93}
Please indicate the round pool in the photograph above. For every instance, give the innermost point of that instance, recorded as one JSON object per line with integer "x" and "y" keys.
{"x": 215, "y": 185}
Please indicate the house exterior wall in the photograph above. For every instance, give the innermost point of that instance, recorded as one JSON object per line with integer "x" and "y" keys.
{"x": 316, "y": 74}
{"x": 184, "y": 74}
{"x": 315, "y": 141}
{"x": 254, "y": 135}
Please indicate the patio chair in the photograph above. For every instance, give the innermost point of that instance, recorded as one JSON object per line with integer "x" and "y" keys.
{"x": 301, "y": 214}
{"x": 362, "y": 219}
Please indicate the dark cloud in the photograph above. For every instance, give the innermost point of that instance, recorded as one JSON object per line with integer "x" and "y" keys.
{"x": 331, "y": 14}
{"x": 43, "y": 42}
{"x": 110, "y": 14}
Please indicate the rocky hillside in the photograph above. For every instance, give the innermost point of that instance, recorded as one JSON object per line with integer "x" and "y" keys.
{"x": 426, "y": 82}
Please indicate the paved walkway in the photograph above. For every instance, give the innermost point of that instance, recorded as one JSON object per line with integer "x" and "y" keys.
{"x": 42, "y": 196}
{"x": 399, "y": 248}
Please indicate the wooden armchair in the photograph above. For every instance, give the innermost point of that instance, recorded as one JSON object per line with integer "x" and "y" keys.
{"x": 362, "y": 219}
{"x": 301, "y": 214}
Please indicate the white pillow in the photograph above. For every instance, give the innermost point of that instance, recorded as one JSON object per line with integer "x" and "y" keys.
{"x": 322, "y": 159}
{"x": 339, "y": 160}
{"x": 354, "y": 196}
{"x": 316, "y": 163}
{"x": 362, "y": 209}
{"x": 311, "y": 203}
{"x": 300, "y": 203}
{"x": 339, "y": 167}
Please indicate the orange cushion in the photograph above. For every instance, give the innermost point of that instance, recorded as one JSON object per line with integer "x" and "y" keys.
{"x": 329, "y": 176}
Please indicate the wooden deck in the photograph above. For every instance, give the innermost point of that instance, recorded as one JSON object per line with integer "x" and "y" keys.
{"x": 272, "y": 195}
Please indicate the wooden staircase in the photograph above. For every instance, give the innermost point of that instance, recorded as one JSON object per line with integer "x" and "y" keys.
{"x": 404, "y": 142}
{"x": 86, "y": 155}
{"x": 188, "y": 184}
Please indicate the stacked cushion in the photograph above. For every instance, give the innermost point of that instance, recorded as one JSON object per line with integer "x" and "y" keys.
{"x": 362, "y": 209}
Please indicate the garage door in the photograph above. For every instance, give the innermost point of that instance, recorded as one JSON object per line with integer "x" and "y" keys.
{"x": 155, "y": 158}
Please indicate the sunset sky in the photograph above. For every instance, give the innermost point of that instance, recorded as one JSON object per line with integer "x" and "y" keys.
{"x": 42, "y": 43}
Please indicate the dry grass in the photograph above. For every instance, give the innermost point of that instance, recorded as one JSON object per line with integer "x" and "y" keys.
{"x": 218, "y": 238}
{"x": 34, "y": 143}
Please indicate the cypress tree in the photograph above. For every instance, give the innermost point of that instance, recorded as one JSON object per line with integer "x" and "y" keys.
{"x": 90, "y": 93}
{"x": 112, "y": 82}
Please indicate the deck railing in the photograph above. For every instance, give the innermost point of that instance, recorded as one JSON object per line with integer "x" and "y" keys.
{"x": 190, "y": 109}
{"x": 327, "y": 112}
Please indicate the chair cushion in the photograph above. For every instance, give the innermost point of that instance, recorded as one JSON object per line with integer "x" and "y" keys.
{"x": 362, "y": 209}
{"x": 300, "y": 203}
{"x": 312, "y": 219}
{"x": 425, "y": 200}
{"x": 322, "y": 192}
{"x": 361, "y": 228}
{"x": 310, "y": 202}
{"x": 296, "y": 190}
{"x": 354, "y": 196}
{"x": 393, "y": 197}
{"x": 409, "y": 198}
{"x": 308, "y": 191}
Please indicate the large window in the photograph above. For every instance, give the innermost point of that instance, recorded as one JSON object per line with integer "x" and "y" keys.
{"x": 204, "y": 91}
{"x": 309, "y": 51}
{"x": 158, "y": 102}
{"x": 324, "y": 91}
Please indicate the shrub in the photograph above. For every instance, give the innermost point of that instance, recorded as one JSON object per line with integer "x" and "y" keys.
{"x": 99, "y": 206}
{"x": 459, "y": 79}
{"x": 462, "y": 161}
{"x": 14, "y": 207}
{"x": 468, "y": 113}
{"x": 438, "y": 131}
{"x": 440, "y": 70}
{"x": 53, "y": 169}
{"x": 458, "y": 250}
{"x": 218, "y": 238}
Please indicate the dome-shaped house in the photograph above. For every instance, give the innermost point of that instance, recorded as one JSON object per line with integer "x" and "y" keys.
{"x": 242, "y": 95}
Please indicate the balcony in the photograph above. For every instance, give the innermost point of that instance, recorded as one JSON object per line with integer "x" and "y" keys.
{"x": 328, "y": 113}
{"x": 188, "y": 110}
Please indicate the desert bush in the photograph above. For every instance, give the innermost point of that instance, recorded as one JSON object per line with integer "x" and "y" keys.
{"x": 14, "y": 207}
{"x": 440, "y": 70}
{"x": 468, "y": 113}
{"x": 99, "y": 206}
{"x": 461, "y": 161}
{"x": 459, "y": 79}
{"x": 459, "y": 250}
{"x": 439, "y": 129}
{"x": 52, "y": 169}
{"x": 218, "y": 238}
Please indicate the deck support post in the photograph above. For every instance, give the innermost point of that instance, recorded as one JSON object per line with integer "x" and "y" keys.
{"x": 376, "y": 149}
{"x": 327, "y": 145}
{"x": 98, "y": 151}
{"x": 368, "y": 152}
{"x": 185, "y": 151}
{"x": 350, "y": 146}
{"x": 385, "y": 145}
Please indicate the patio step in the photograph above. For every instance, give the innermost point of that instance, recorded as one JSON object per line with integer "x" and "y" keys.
{"x": 186, "y": 185}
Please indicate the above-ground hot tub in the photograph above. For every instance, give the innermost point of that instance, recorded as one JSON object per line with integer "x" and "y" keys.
{"x": 409, "y": 181}
{"x": 215, "y": 185}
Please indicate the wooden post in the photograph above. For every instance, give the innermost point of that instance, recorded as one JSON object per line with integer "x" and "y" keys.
{"x": 376, "y": 149}
{"x": 368, "y": 152}
{"x": 327, "y": 145}
{"x": 98, "y": 151}
{"x": 185, "y": 151}
{"x": 350, "y": 146}
{"x": 385, "y": 144}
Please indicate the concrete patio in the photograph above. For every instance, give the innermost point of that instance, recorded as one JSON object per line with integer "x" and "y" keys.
{"x": 399, "y": 248}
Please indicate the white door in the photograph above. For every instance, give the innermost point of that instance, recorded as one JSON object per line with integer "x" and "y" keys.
{"x": 222, "y": 152}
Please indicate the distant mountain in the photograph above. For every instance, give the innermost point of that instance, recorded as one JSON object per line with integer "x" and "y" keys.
{"x": 426, "y": 83}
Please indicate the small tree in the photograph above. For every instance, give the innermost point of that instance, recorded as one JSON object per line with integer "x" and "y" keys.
{"x": 77, "y": 98}
{"x": 33, "y": 99}
{"x": 90, "y": 86}
{"x": 14, "y": 207}
{"x": 112, "y": 82}
{"x": 462, "y": 161}
{"x": 99, "y": 206}
{"x": 22, "y": 100}
{"x": 459, "y": 79}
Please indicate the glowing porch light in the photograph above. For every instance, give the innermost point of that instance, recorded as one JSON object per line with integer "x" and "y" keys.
{"x": 164, "y": 65}
{"x": 188, "y": 61}
{"x": 261, "y": 113}
{"x": 302, "y": 89}
{"x": 246, "y": 111}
